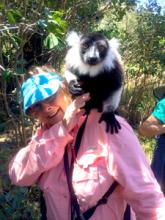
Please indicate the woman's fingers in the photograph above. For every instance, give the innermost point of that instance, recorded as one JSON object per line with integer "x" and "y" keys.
{"x": 81, "y": 100}
{"x": 75, "y": 110}
{"x": 80, "y": 112}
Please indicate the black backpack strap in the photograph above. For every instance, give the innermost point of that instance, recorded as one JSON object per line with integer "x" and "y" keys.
{"x": 127, "y": 213}
{"x": 42, "y": 207}
{"x": 69, "y": 170}
{"x": 75, "y": 212}
{"x": 103, "y": 200}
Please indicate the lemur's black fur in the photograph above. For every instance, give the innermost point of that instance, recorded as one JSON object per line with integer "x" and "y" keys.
{"x": 98, "y": 74}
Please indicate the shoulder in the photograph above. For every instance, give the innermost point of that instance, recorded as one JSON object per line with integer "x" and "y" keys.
{"x": 126, "y": 129}
{"x": 162, "y": 101}
{"x": 159, "y": 111}
{"x": 124, "y": 123}
{"x": 126, "y": 132}
{"x": 118, "y": 143}
{"x": 160, "y": 104}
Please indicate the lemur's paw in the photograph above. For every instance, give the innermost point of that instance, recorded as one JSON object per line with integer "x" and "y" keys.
{"x": 75, "y": 88}
{"x": 112, "y": 124}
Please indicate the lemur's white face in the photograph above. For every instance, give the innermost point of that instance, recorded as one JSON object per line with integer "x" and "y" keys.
{"x": 93, "y": 48}
{"x": 90, "y": 53}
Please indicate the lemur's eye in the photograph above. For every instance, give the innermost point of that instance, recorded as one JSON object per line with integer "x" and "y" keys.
{"x": 84, "y": 46}
{"x": 101, "y": 48}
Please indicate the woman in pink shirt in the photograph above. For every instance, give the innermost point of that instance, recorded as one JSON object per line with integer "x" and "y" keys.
{"x": 103, "y": 159}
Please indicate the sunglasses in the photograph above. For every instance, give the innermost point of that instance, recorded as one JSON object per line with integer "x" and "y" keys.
{"x": 38, "y": 107}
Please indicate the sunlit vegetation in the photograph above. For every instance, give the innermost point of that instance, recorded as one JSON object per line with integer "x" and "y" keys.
{"x": 33, "y": 32}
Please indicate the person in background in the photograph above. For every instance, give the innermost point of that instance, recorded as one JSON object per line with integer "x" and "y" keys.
{"x": 154, "y": 125}
{"x": 102, "y": 161}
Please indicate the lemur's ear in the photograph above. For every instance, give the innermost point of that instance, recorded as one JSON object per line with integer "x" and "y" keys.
{"x": 114, "y": 43}
{"x": 72, "y": 38}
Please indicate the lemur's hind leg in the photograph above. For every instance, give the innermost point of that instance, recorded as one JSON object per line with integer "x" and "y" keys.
{"x": 108, "y": 114}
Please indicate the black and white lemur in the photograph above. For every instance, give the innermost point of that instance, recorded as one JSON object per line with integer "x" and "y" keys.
{"x": 93, "y": 65}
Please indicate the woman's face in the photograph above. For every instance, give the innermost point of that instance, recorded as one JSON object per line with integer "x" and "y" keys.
{"x": 51, "y": 110}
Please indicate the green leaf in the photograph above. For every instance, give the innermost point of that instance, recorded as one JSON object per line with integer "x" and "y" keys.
{"x": 14, "y": 16}
{"x": 57, "y": 14}
{"x": 17, "y": 13}
{"x": 51, "y": 41}
{"x": 2, "y": 6}
{"x": 7, "y": 74}
{"x": 53, "y": 21}
{"x": 10, "y": 17}
{"x": 51, "y": 27}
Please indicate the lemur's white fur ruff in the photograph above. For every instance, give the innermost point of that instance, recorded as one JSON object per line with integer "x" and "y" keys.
{"x": 73, "y": 58}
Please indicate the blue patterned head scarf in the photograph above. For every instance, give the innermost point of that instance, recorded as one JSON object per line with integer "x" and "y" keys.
{"x": 39, "y": 87}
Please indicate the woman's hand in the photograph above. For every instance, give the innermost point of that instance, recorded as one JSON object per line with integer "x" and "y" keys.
{"x": 74, "y": 111}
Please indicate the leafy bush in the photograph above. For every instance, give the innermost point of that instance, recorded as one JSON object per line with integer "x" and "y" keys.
{"x": 17, "y": 203}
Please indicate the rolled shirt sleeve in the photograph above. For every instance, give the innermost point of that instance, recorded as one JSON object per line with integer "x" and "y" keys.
{"x": 45, "y": 151}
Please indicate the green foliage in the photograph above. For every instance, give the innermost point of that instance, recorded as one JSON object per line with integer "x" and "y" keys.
{"x": 143, "y": 53}
{"x": 55, "y": 27}
{"x": 16, "y": 204}
{"x": 141, "y": 33}
{"x": 14, "y": 16}
{"x": 51, "y": 41}
{"x": 148, "y": 145}
{"x": 115, "y": 14}
{"x": 7, "y": 74}
{"x": 144, "y": 34}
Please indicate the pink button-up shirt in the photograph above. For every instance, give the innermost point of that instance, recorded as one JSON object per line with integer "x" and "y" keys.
{"x": 102, "y": 158}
